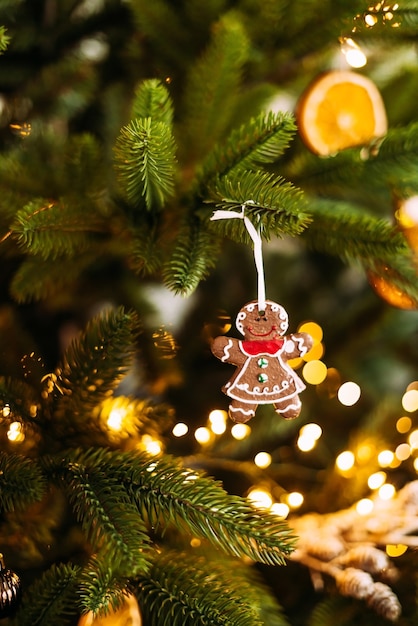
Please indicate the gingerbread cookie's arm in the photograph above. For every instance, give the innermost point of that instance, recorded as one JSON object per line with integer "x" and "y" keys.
{"x": 297, "y": 344}
{"x": 227, "y": 350}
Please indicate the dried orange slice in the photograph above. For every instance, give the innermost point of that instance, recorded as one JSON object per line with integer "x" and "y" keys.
{"x": 339, "y": 110}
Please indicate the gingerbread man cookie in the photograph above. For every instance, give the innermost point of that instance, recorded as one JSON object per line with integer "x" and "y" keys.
{"x": 263, "y": 375}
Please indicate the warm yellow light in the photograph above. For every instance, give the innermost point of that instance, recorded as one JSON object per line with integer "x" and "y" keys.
{"x": 315, "y": 353}
{"x": 314, "y": 372}
{"x": 364, "y": 506}
{"x": 260, "y": 498}
{"x": 240, "y": 431}
{"x": 217, "y": 419}
{"x": 413, "y": 439}
{"x": 385, "y": 458}
{"x": 387, "y": 491}
{"x": 410, "y": 400}
{"x": 15, "y": 432}
{"x": 395, "y": 550}
{"x": 280, "y": 509}
{"x": 345, "y": 461}
{"x": 311, "y": 430}
{"x": 376, "y": 480}
{"x": 313, "y": 329}
{"x": 370, "y": 20}
{"x": 349, "y": 393}
{"x": 195, "y": 542}
{"x": 115, "y": 420}
{"x": 416, "y": 465}
{"x": 305, "y": 444}
{"x": 355, "y": 57}
{"x": 202, "y": 435}
{"x": 180, "y": 429}
{"x": 152, "y": 446}
{"x": 403, "y": 452}
{"x": 294, "y": 499}
{"x": 262, "y": 459}
{"x": 403, "y": 425}
{"x": 308, "y": 436}
{"x": 6, "y": 410}
{"x": 364, "y": 452}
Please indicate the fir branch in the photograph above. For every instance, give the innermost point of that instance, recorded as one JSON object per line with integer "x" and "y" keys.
{"x": 260, "y": 141}
{"x": 95, "y": 362}
{"x": 145, "y": 162}
{"x": 100, "y": 589}
{"x": 335, "y": 610}
{"x": 348, "y": 231}
{"x": 108, "y": 518}
{"x": 274, "y": 205}
{"x": 153, "y": 100}
{"x": 212, "y": 87}
{"x": 38, "y": 279}
{"x": 51, "y": 599}
{"x": 55, "y": 229}
{"x": 4, "y": 39}
{"x": 193, "y": 256}
{"x": 185, "y": 590}
{"x": 22, "y": 482}
{"x": 167, "y": 493}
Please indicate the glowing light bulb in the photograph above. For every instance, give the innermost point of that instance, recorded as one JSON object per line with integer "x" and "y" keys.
{"x": 314, "y": 372}
{"x": 308, "y": 436}
{"x": 403, "y": 452}
{"x": 15, "y": 432}
{"x": 345, "y": 461}
{"x": 262, "y": 459}
{"x": 217, "y": 419}
{"x": 364, "y": 506}
{"x": 202, "y": 435}
{"x": 240, "y": 431}
{"x": 6, "y": 410}
{"x": 413, "y": 439}
{"x": 403, "y": 425}
{"x": 349, "y": 393}
{"x": 180, "y": 429}
{"x": 280, "y": 509}
{"x": 260, "y": 498}
{"x": 295, "y": 499}
{"x": 313, "y": 329}
{"x": 370, "y": 20}
{"x": 354, "y": 55}
{"x": 385, "y": 458}
{"x": 115, "y": 420}
{"x": 376, "y": 480}
{"x": 416, "y": 465}
{"x": 387, "y": 492}
{"x": 410, "y": 400}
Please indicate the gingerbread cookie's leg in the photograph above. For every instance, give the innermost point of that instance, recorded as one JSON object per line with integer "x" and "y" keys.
{"x": 241, "y": 411}
{"x": 290, "y": 408}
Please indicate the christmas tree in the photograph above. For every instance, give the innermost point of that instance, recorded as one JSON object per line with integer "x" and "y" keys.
{"x": 127, "y": 493}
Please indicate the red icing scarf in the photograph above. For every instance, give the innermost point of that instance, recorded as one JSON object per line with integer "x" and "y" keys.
{"x": 270, "y": 346}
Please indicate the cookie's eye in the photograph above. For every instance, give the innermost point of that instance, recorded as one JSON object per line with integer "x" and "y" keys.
{"x": 257, "y": 319}
{"x": 265, "y": 319}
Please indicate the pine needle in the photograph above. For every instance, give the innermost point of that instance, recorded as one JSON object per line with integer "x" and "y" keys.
{"x": 22, "y": 482}
{"x": 145, "y": 162}
{"x": 153, "y": 100}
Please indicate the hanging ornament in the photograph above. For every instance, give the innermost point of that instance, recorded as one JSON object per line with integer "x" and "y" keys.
{"x": 10, "y": 590}
{"x": 406, "y": 215}
{"x": 127, "y": 615}
{"x": 263, "y": 375}
{"x": 385, "y": 287}
{"x": 338, "y": 110}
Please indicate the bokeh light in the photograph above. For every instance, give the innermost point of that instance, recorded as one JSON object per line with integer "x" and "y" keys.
{"x": 386, "y": 491}
{"x": 202, "y": 435}
{"x": 376, "y": 480}
{"x": 345, "y": 460}
{"x": 385, "y": 458}
{"x": 295, "y": 499}
{"x": 349, "y": 393}
{"x": 314, "y": 372}
{"x": 262, "y": 459}
{"x": 403, "y": 424}
{"x": 180, "y": 429}
{"x": 240, "y": 431}
{"x": 410, "y": 400}
{"x": 364, "y": 506}
{"x": 281, "y": 509}
{"x": 260, "y": 498}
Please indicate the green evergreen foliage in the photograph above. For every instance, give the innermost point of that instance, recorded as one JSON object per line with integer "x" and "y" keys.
{"x": 123, "y": 126}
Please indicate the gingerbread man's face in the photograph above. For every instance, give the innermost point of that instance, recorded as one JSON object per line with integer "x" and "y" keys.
{"x": 264, "y": 325}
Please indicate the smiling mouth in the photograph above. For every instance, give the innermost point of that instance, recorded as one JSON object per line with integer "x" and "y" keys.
{"x": 250, "y": 329}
